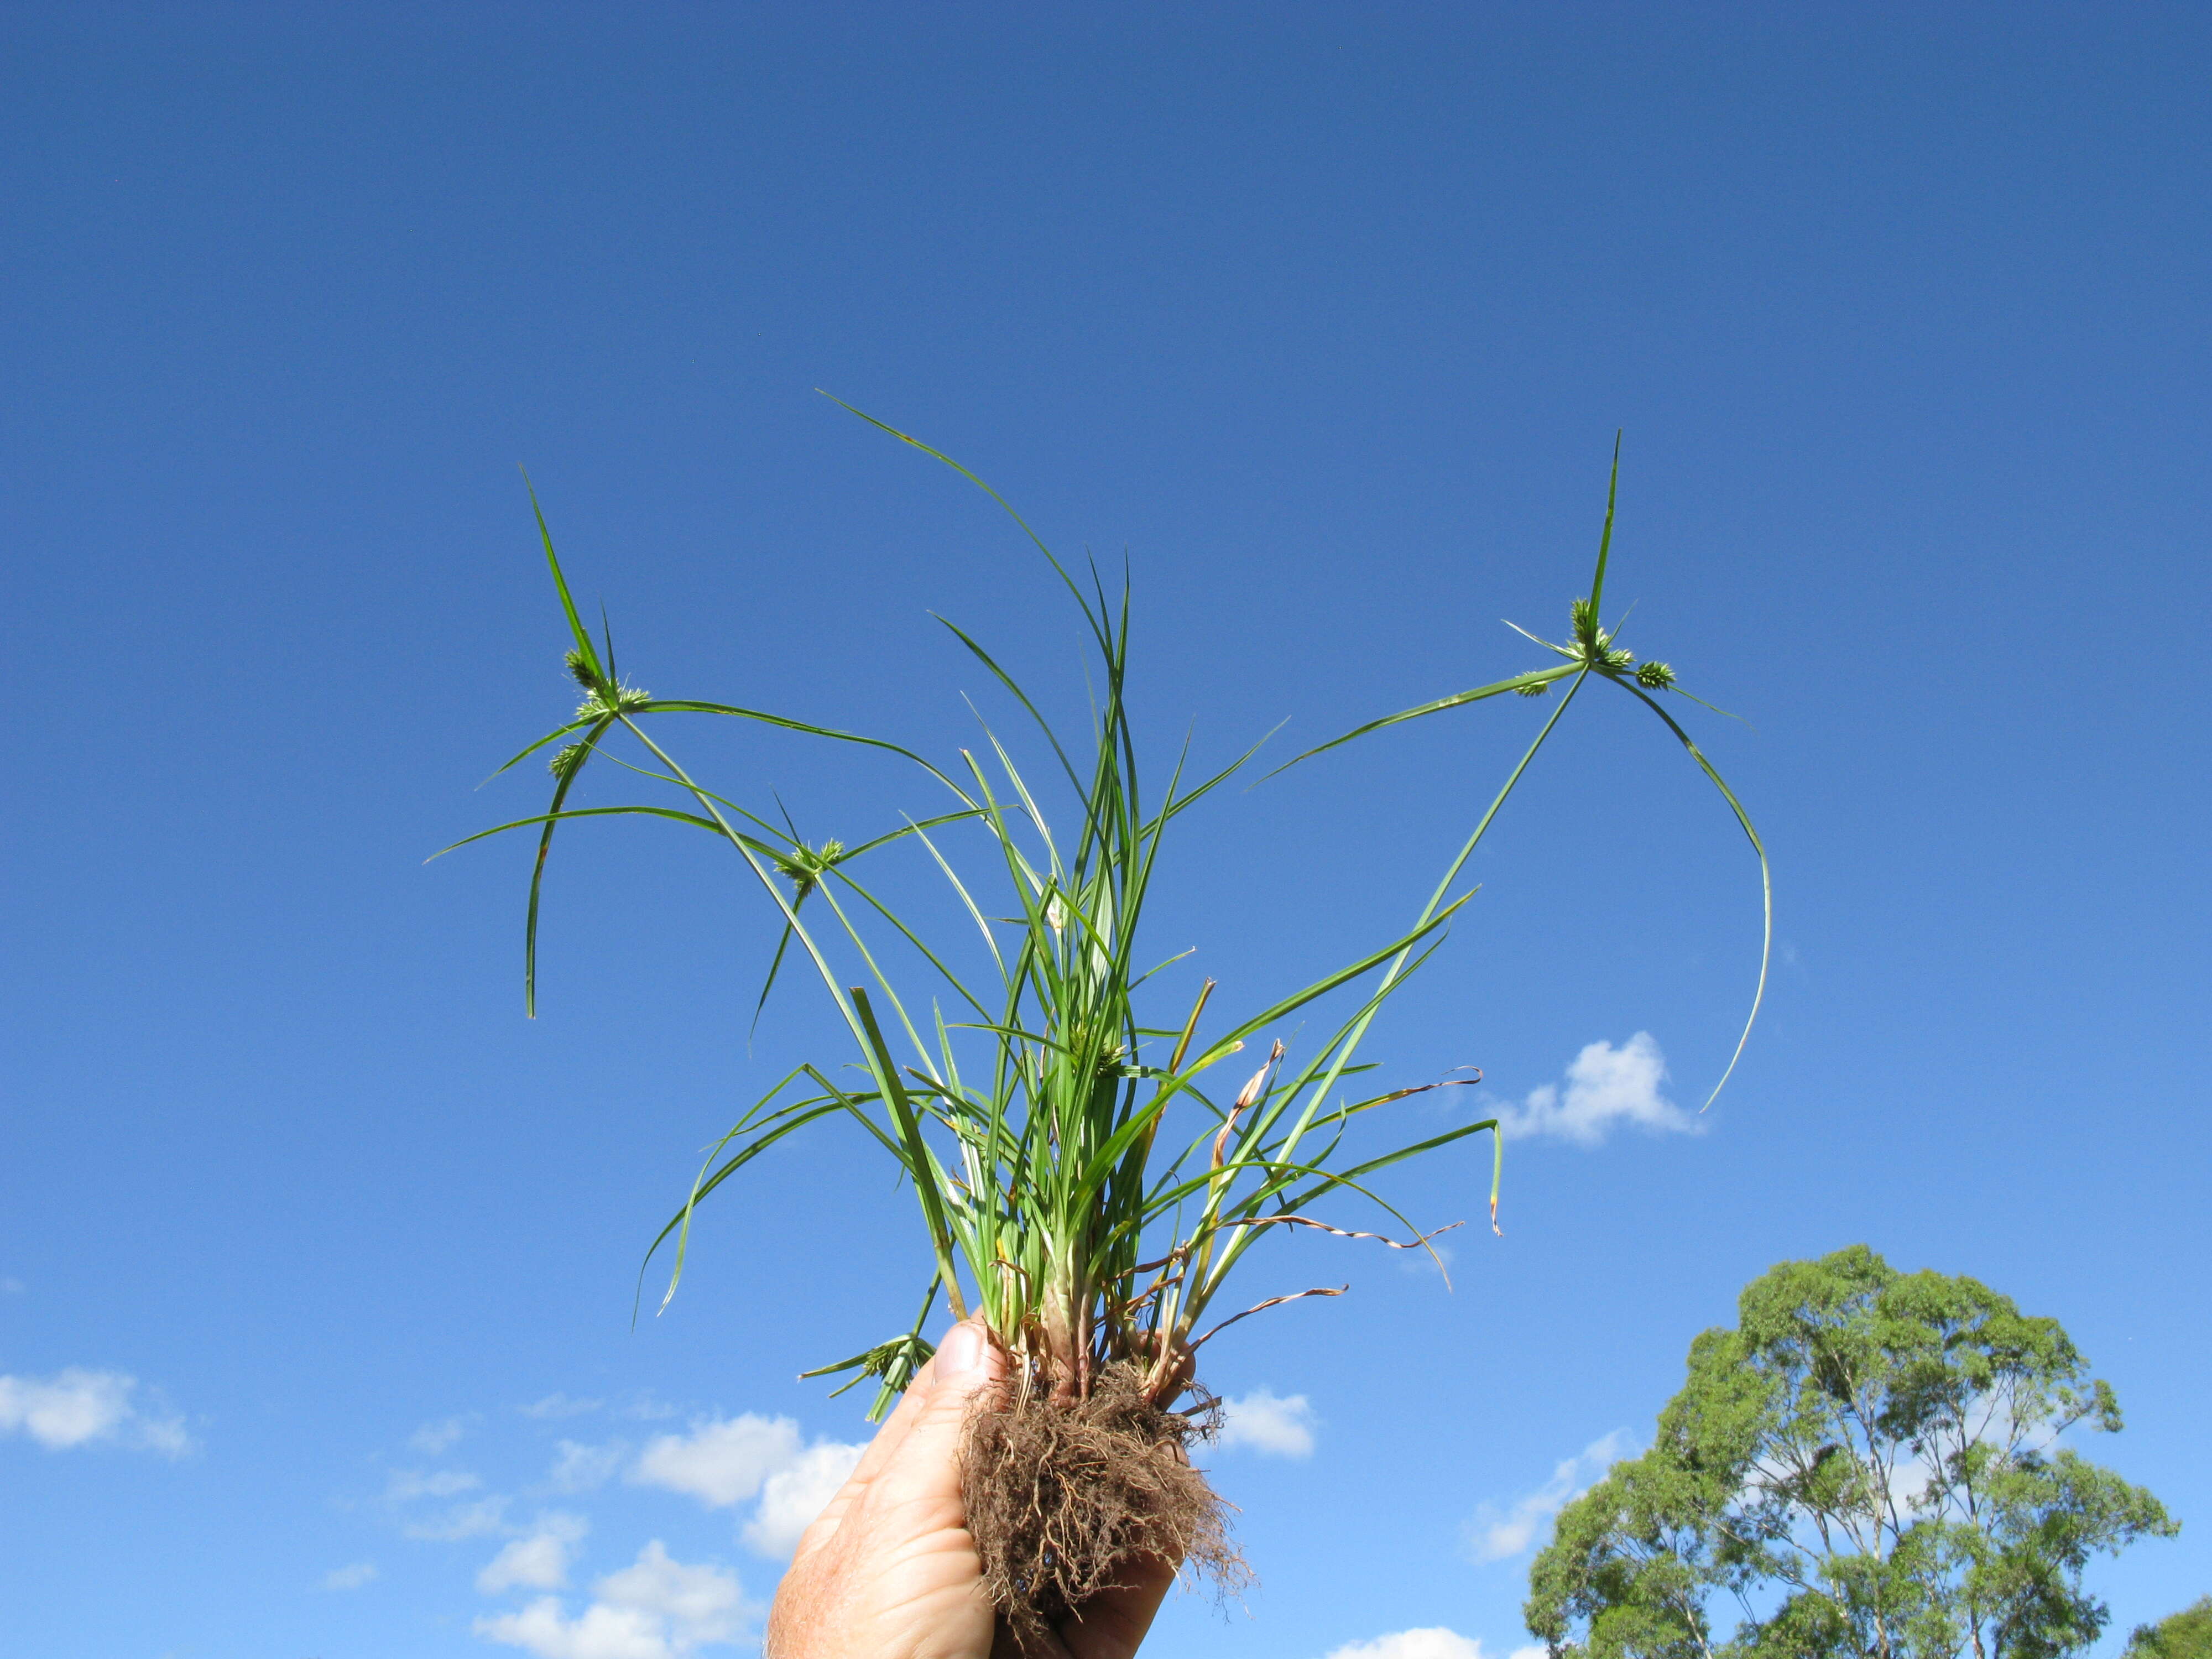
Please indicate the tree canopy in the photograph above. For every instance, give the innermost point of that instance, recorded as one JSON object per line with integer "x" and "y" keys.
{"x": 1868, "y": 1464}
{"x": 2183, "y": 1635}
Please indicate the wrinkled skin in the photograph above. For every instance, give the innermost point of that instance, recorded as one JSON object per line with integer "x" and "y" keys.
{"x": 888, "y": 1570}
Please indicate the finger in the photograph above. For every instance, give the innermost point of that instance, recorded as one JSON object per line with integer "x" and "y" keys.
{"x": 895, "y": 1427}
{"x": 925, "y": 1465}
{"x": 1111, "y": 1624}
{"x": 1005, "y": 1644}
{"x": 879, "y": 1452}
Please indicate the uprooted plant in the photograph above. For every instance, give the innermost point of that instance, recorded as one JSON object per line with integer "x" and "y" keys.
{"x": 1081, "y": 1187}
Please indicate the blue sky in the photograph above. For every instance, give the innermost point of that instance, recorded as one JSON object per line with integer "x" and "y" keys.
{"x": 316, "y": 1258}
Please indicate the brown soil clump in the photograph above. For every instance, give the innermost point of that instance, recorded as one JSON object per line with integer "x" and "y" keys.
{"x": 1063, "y": 1500}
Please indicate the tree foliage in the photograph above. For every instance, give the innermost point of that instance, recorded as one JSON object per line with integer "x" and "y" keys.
{"x": 1868, "y": 1464}
{"x": 2183, "y": 1635}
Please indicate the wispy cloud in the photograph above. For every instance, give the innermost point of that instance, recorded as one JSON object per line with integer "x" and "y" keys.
{"x": 1606, "y": 1086}
{"x": 432, "y": 1439}
{"x": 1494, "y": 1534}
{"x": 537, "y": 1560}
{"x": 1432, "y": 1642}
{"x": 350, "y": 1577}
{"x": 1436, "y": 1258}
{"x": 78, "y": 1407}
{"x": 658, "y": 1608}
{"x": 580, "y": 1468}
{"x": 557, "y": 1405}
{"x": 480, "y": 1518}
{"x": 404, "y": 1485}
{"x": 1261, "y": 1422}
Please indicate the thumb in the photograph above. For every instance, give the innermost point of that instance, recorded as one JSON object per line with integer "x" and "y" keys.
{"x": 927, "y": 1465}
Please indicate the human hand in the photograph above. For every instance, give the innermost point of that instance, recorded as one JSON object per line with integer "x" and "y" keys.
{"x": 888, "y": 1572}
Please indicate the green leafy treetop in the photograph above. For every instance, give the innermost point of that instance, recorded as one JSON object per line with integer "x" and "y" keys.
{"x": 2183, "y": 1635}
{"x": 1866, "y": 1465}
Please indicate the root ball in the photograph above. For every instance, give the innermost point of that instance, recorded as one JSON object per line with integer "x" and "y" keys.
{"x": 1065, "y": 1500}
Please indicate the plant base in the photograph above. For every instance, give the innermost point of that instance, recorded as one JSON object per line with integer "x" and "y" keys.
{"x": 1064, "y": 1500}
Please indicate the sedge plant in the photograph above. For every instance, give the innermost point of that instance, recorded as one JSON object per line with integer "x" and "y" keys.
{"x": 1086, "y": 1184}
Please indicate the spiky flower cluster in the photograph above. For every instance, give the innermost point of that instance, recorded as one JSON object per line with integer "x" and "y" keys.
{"x": 1592, "y": 645}
{"x": 602, "y": 697}
{"x": 604, "y": 700}
{"x": 1655, "y": 677}
{"x": 804, "y": 866}
{"x": 1581, "y": 621}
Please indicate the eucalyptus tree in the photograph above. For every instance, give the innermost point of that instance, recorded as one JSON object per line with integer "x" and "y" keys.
{"x": 2183, "y": 1635}
{"x": 1867, "y": 1463}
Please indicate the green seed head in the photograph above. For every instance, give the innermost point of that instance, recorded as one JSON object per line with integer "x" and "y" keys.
{"x": 606, "y": 700}
{"x": 1535, "y": 691}
{"x": 579, "y": 669}
{"x": 1655, "y": 676}
{"x": 803, "y": 864}
{"x": 566, "y": 760}
{"x": 1582, "y": 616}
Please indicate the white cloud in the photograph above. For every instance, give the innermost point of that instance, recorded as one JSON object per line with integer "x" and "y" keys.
{"x": 405, "y": 1484}
{"x": 433, "y": 1438}
{"x": 792, "y": 1497}
{"x": 1275, "y": 1427}
{"x": 165, "y": 1435}
{"x": 658, "y": 1608}
{"x": 702, "y": 1604}
{"x": 350, "y": 1577}
{"x": 1606, "y": 1085}
{"x": 582, "y": 1468}
{"x": 727, "y": 1460}
{"x": 479, "y": 1519}
{"x": 723, "y": 1460}
{"x": 1432, "y": 1642}
{"x": 603, "y": 1631}
{"x": 538, "y": 1561}
{"x": 1494, "y": 1534}
{"x": 74, "y": 1406}
{"x": 558, "y": 1405}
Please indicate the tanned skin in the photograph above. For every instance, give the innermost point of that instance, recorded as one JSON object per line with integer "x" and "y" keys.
{"x": 888, "y": 1570}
